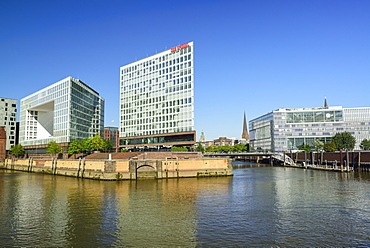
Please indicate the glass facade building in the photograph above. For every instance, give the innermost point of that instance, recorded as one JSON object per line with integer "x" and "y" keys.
{"x": 157, "y": 96}
{"x": 8, "y": 119}
{"x": 287, "y": 129}
{"x": 62, "y": 112}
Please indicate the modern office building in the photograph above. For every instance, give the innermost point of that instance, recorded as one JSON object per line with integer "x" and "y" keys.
{"x": 157, "y": 100}
{"x": 287, "y": 129}
{"x": 8, "y": 119}
{"x": 64, "y": 111}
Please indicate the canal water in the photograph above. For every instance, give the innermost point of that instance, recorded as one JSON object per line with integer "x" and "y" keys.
{"x": 259, "y": 206}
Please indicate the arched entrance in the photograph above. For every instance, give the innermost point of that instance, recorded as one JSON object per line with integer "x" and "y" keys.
{"x": 146, "y": 172}
{"x": 143, "y": 169}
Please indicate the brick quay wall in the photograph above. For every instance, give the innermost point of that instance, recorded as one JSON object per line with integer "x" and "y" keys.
{"x": 125, "y": 169}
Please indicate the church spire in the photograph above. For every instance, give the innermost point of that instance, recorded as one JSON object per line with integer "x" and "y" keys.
{"x": 326, "y": 103}
{"x": 245, "y": 134}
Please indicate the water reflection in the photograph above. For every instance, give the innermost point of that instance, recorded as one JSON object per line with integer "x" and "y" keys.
{"x": 259, "y": 206}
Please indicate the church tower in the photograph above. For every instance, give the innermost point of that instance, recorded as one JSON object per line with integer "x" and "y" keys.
{"x": 245, "y": 134}
{"x": 202, "y": 137}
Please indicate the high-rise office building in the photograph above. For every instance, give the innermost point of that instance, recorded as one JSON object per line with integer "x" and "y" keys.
{"x": 8, "y": 119}
{"x": 64, "y": 111}
{"x": 157, "y": 100}
{"x": 287, "y": 129}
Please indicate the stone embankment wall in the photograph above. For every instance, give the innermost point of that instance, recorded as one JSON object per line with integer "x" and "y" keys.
{"x": 124, "y": 169}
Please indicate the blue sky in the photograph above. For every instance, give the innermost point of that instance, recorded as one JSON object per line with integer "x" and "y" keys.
{"x": 252, "y": 56}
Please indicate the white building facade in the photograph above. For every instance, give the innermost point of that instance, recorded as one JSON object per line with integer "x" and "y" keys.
{"x": 8, "y": 119}
{"x": 157, "y": 96}
{"x": 64, "y": 111}
{"x": 287, "y": 129}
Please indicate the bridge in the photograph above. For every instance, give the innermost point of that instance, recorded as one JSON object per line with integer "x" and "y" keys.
{"x": 267, "y": 158}
{"x": 340, "y": 161}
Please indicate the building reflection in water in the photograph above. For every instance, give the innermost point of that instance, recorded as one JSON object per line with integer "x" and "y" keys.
{"x": 62, "y": 211}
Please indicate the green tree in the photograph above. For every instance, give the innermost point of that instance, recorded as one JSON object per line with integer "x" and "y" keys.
{"x": 75, "y": 147}
{"x": 108, "y": 145}
{"x": 365, "y": 144}
{"x": 306, "y": 148}
{"x": 318, "y": 145}
{"x": 97, "y": 143}
{"x": 179, "y": 149}
{"x": 53, "y": 148}
{"x": 226, "y": 148}
{"x": 344, "y": 141}
{"x": 86, "y": 145}
{"x": 329, "y": 147}
{"x": 217, "y": 149}
{"x": 199, "y": 147}
{"x": 210, "y": 149}
{"x": 17, "y": 150}
{"x": 240, "y": 148}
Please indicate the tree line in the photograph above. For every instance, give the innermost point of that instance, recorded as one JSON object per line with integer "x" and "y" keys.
{"x": 78, "y": 146}
{"x": 340, "y": 141}
{"x": 227, "y": 148}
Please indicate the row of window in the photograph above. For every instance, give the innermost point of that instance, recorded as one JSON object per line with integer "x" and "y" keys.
{"x": 10, "y": 119}
{"x": 153, "y": 80}
{"x": 158, "y": 113}
{"x": 167, "y": 58}
{"x": 159, "y": 86}
{"x": 152, "y": 99}
{"x": 6, "y": 110}
{"x": 132, "y": 84}
{"x": 43, "y": 97}
{"x": 364, "y": 128}
{"x": 146, "y": 112}
{"x": 181, "y": 87}
{"x": 9, "y": 123}
{"x": 150, "y": 102}
{"x": 158, "y": 119}
{"x": 181, "y": 123}
{"x": 314, "y": 116}
{"x": 349, "y": 124}
{"x": 153, "y": 102}
{"x": 163, "y": 67}
{"x": 160, "y": 131}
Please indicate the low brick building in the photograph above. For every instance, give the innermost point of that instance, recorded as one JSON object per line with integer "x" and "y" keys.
{"x": 2, "y": 143}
